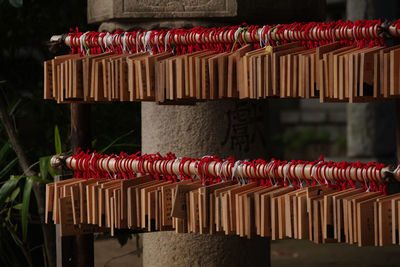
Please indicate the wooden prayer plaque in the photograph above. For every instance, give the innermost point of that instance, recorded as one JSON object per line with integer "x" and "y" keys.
{"x": 49, "y": 202}
{"x": 365, "y": 222}
{"x": 178, "y": 205}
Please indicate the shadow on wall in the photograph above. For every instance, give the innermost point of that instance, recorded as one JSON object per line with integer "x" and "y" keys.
{"x": 299, "y": 253}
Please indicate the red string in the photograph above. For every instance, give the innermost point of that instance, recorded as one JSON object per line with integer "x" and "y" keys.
{"x": 312, "y": 34}
{"x": 93, "y": 165}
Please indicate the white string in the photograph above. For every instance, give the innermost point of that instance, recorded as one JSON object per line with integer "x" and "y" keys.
{"x": 146, "y": 42}
{"x": 107, "y": 161}
{"x": 275, "y": 178}
{"x": 354, "y": 35}
{"x": 137, "y": 42}
{"x": 348, "y": 177}
{"x": 237, "y": 34}
{"x": 82, "y": 38}
{"x": 262, "y": 43}
{"x": 326, "y": 181}
{"x": 90, "y": 160}
{"x": 242, "y": 179}
{"x": 156, "y": 40}
{"x": 204, "y": 167}
{"x": 143, "y": 39}
{"x": 124, "y": 44}
{"x": 301, "y": 183}
{"x": 115, "y": 40}
{"x": 221, "y": 173}
{"x": 166, "y": 40}
{"x": 266, "y": 39}
{"x": 219, "y": 168}
{"x": 234, "y": 169}
{"x": 313, "y": 168}
{"x": 101, "y": 44}
{"x": 177, "y": 160}
{"x": 285, "y": 172}
{"x": 365, "y": 181}
{"x": 397, "y": 169}
{"x": 105, "y": 39}
{"x": 268, "y": 169}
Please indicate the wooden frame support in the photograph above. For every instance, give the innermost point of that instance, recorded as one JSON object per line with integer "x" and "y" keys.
{"x": 77, "y": 250}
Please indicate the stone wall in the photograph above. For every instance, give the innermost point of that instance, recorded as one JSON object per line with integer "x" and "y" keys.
{"x": 310, "y": 129}
{"x": 228, "y": 11}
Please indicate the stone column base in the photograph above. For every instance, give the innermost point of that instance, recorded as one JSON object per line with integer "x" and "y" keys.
{"x": 172, "y": 249}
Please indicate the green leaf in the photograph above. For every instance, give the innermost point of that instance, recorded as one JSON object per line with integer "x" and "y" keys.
{"x": 5, "y": 149}
{"x": 5, "y": 171}
{"x": 18, "y": 206}
{"x": 40, "y": 180}
{"x": 53, "y": 173}
{"x": 7, "y": 188}
{"x": 115, "y": 141}
{"x": 15, "y": 193}
{"x": 17, "y": 240}
{"x": 8, "y": 215}
{"x": 57, "y": 140}
{"x": 25, "y": 207}
{"x": 16, "y": 3}
{"x": 44, "y": 164}
{"x": 94, "y": 142}
{"x": 11, "y": 109}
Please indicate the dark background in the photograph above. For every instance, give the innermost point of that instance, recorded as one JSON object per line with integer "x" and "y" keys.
{"x": 24, "y": 32}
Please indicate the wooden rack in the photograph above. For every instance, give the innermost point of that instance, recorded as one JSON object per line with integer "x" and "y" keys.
{"x": 335, "y": 61}
{"x": 165, "y": 196}
{"x": 332, "y": 31}
{"x": 228, "y": 169}
{"x": 306, "y": 32}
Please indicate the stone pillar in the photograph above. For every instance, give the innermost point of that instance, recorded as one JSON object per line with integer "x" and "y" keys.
{"x": 172, "y": 249}
{"x": 222, "y": 128}
{"x": 371, "y": 126}
{"x": 219, "y": 128}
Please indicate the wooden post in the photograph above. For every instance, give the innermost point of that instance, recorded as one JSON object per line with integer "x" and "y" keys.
{"x": 77, "y": 250}
{"x": 398, "y": 130}
{"x": 80, "y": 126}
{"x": 394, "y": 186}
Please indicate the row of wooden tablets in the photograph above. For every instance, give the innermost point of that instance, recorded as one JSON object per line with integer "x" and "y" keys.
{"x": 330, "y": 73}
{"x": 319, "y": 213}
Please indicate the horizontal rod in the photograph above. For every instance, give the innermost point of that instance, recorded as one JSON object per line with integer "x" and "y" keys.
{"x": 319, "y": 171}
{"x": 332, "y": 31}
